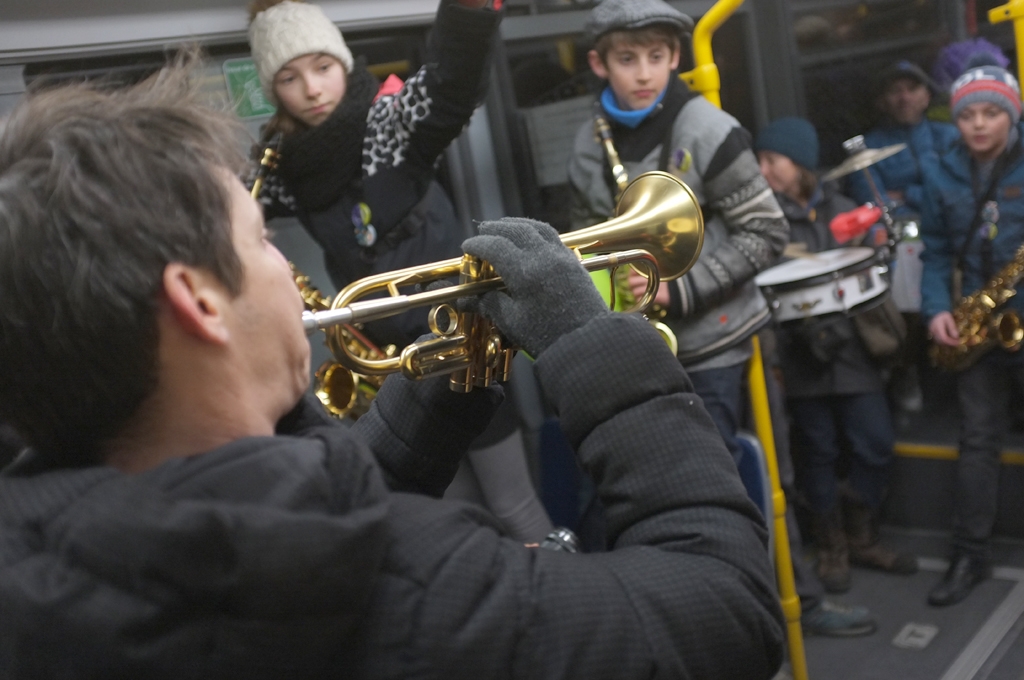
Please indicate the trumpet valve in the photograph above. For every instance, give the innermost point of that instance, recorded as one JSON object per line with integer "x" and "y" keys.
{"x": 435, "y": 357}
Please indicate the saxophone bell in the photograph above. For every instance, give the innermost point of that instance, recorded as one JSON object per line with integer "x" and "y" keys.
{"x": 1009, "y": 330}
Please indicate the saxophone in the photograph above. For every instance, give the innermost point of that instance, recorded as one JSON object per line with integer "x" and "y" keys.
{"x": 342, "y": 392}
{"x": 619, "y": 287}
{"x": 981, "y": 322}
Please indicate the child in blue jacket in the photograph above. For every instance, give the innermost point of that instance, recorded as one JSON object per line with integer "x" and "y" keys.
{"x": 974, "y": 215}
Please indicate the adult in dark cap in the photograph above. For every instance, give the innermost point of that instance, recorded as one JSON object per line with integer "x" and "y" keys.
{"x": 904, "y": 94}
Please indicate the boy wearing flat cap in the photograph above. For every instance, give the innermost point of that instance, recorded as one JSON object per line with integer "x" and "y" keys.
{"x": 658, "y": 123}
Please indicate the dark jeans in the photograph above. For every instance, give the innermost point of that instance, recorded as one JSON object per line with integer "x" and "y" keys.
{"x": 984, "y": 393}
{"x": 721, "y": 389}
{"x": 822, "y": 426}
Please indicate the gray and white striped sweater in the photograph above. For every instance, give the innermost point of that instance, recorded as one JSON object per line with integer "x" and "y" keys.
{"x": 716, "y": 305}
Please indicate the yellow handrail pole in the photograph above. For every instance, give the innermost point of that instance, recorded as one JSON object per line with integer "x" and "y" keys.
{"x": 1012, "y": 11}
{"x": 783, "y": 559}
{"x": 704, "y": 77}
{"x": 705, "y": 80}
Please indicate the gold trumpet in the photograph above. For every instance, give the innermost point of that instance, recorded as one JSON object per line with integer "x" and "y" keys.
{"x": 658, "y": 229}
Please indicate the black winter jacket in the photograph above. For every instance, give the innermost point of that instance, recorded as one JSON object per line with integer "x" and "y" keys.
{"x": 289, "y": 557}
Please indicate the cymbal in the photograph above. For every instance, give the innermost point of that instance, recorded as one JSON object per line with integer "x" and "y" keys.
{"x": 861, "y": 160}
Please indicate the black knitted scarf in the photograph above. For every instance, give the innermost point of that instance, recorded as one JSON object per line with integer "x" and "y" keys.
{"x": 319, "y": 163}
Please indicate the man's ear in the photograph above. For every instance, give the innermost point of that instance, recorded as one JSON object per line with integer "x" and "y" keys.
{"x": 198, "y": 302}
{"x": 597, "y": 65}
{"x": 674, "y": 64}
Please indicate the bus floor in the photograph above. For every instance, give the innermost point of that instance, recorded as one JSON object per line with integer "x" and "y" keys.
{"x": 980, "y": 638}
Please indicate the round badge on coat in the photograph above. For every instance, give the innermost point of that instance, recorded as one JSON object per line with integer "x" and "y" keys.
{"x": 990, "y": 213}
{"x": 682, "y": 161}
{"x": 366, "y": 234}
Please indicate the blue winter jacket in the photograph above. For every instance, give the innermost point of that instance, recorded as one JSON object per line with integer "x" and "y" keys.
{"x": 947, "y": 213}
{"x": 925, "y": 142}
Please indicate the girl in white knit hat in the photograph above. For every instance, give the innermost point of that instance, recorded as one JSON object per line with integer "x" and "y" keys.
{"x": 357, "y": 168}
{"x": 357, "y": 161}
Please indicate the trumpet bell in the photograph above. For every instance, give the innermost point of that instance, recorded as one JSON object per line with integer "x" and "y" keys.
{"x": 658, "y": 213}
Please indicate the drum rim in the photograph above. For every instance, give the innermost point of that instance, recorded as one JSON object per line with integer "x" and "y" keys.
{"x": 834, "y": 275}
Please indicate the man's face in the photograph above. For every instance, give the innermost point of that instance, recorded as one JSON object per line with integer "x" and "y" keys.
{"x": 906, "y": 100}
{"x": 985, "y": 129}
{"x": 637, "y": 74}
{"x": 266, "y": 317}
{"x": 310, "y": 87}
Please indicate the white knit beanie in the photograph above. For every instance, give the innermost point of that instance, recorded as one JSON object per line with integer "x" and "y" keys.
{"x": 288, "y": 30}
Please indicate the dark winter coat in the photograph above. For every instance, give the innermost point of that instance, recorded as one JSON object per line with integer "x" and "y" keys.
{"x": 851, "y": 371}
{"x": 289, "y": 556}
{"x": 953, "y": 195}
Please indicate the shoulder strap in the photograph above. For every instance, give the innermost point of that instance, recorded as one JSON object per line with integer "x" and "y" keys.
{"x": 997, "y": 172}
{"x": 666, "y": 148}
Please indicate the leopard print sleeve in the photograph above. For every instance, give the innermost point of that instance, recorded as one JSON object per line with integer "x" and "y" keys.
{"x": 415, "y": 125}
{"x": 392, "y": 122}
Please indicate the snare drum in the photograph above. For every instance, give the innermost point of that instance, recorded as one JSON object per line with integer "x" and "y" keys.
{"x": 847, "y": 280}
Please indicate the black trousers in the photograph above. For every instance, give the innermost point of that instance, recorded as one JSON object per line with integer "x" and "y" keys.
{"x": 983, "y": 391}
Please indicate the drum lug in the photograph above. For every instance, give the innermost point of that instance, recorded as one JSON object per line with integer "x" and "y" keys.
{"x": 839, "y": 292}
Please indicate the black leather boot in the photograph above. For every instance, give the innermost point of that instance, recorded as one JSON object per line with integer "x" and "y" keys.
{"x": 965, "y": 572}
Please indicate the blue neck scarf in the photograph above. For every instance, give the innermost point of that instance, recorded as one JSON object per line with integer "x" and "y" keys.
{"x": 630, "y": 119}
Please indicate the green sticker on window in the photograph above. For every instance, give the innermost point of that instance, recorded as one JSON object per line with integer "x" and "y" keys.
{"x": 244, "y": 89}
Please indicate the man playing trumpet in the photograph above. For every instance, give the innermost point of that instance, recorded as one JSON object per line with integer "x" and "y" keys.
{"x": 187, "y": 510}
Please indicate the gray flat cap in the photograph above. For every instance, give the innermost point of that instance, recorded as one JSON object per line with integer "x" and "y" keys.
{"x": 622, "y": 15}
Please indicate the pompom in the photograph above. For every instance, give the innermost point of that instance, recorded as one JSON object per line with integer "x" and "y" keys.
{"x": 952, "y": 60}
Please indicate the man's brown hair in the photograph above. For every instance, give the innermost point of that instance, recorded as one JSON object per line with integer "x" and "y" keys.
{"x": 100, "y": 189}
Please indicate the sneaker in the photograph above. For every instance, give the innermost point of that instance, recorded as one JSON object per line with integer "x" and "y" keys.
{"x": 836, "y": 620}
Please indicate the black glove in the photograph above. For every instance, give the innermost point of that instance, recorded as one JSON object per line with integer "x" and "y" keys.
{"x": 548, "y": 292}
